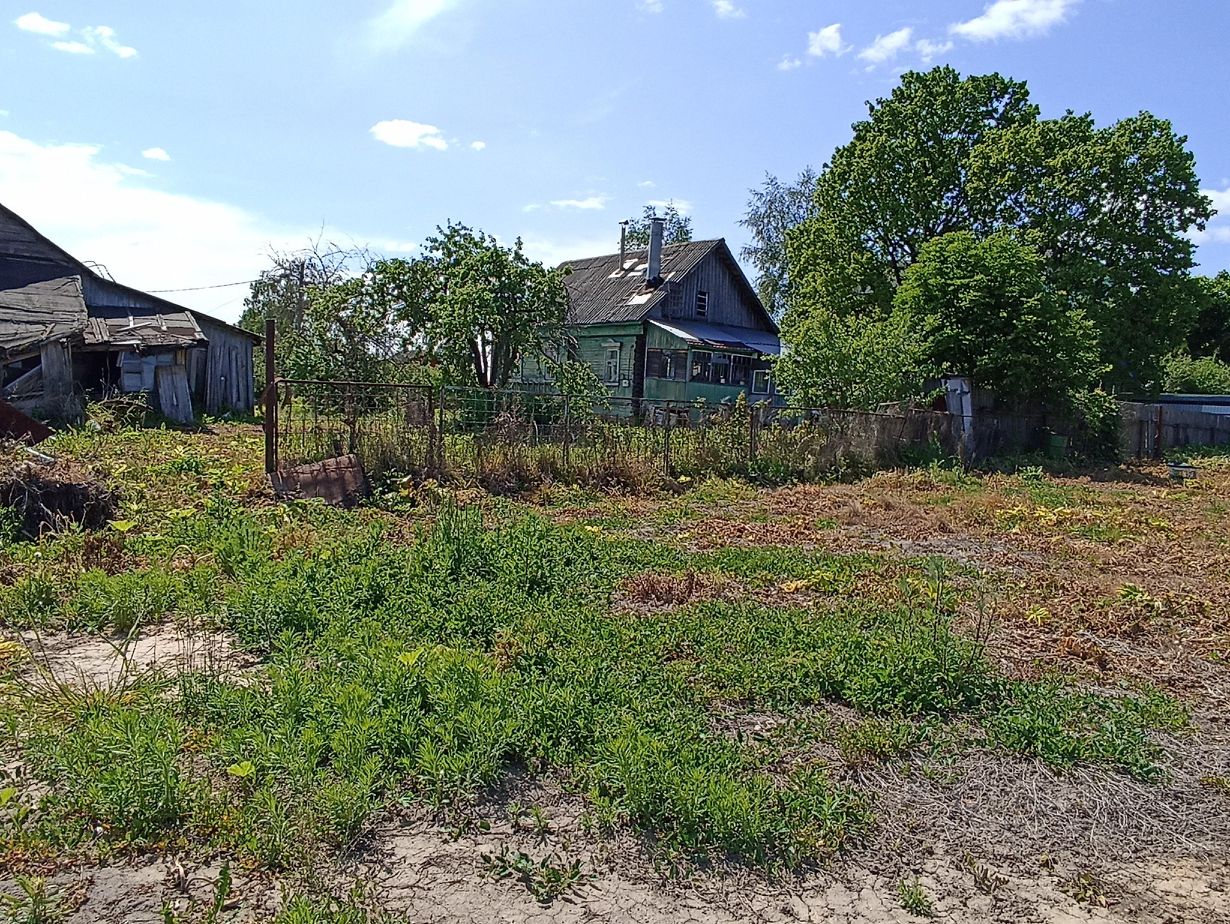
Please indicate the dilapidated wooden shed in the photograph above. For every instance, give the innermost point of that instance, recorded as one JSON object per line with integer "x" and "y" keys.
{"x": 67, "y": 331}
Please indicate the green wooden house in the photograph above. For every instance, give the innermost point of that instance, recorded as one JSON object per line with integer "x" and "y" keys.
{"x": 676, "y": 322}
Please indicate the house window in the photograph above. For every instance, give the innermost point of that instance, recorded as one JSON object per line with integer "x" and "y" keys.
{"x": 760, "y": 382}
{"x": 666, "y": 364}
{"x": 674, "y": 301}
{"x": 702, "y": 304}
{"x": 719, "y": 371}
{"x": 612, "y": 365}
{"x": 701, "y": 363}
{"x": 740, "y": 369}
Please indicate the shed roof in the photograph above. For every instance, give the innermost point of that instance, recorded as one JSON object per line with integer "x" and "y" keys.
{"x": 723, "y": 337}
{"x": 116, "y": 331}
{"x": 22, "y": 241}
{"x": 42, "y": 311}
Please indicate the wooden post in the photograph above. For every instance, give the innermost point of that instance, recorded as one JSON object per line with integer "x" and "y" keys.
{"x": 567, "y": 453}
{"x": 271, "y": 399}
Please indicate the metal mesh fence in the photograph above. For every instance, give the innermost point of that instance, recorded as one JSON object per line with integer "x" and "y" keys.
{"x": 506, "y": 439}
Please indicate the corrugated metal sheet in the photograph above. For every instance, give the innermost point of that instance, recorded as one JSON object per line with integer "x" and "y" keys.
{"x": 33, "y": 314}
{"x": 602, "y": 292}
{"x": 720, "y": 336}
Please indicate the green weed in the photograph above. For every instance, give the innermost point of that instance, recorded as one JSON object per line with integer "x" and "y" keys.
{"x": 914, "y": 898}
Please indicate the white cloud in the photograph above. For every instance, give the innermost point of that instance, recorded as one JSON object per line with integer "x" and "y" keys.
{"x": 40, "y": 25}
{"x": 401, "y": 21}
{"x": 887, "y": 47}
{"x": 789, "y": 63}
{"x": 1014, "y": 19}
{"x": 552, "y": 252}
{"x": 1218, "y": 231}
{"x": 155, "y": 154}
{"x": 826, "y": 42}
{"x": 726, "y": 9}
{"x": 403, "y": 133}
{"x": 646, "y": 184}
{"x": 588, "y": 204}
{"x": 683, "y": 206}
{"x": 88, "y": 40}
{"x": 105, "y": 36}
{"x": 146, "y": 236}
{"x": 929, "y": 49}
{"x": 73, "y": 48}
{"x": 650, "y": 6}
{"x": 478, "y": 145}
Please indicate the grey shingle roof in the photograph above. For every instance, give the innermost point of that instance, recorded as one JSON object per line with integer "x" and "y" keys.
{"x": 599, "y": 292}
{"x": 39, "y": 312}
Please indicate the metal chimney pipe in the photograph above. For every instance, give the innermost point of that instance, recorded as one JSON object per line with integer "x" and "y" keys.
{"x": 623, "y": 245}
{"x": 653, "y": 271}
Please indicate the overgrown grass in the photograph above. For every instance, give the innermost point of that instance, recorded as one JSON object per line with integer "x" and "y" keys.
{"x": 427, "y": 665}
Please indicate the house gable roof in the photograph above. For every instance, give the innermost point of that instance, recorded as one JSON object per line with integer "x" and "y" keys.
{"x": 600, "y": 291}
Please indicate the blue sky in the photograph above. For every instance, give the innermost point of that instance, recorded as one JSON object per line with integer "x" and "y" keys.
{"x": 176, "y": 143}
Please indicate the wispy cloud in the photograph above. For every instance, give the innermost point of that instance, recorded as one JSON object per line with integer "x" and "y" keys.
{"x": 1218, "y": 231}
{"x": 73, "y": 48}
{"x": 683, "y": 206}
{"x": 85, "y": 41}
{"x": 401, "y": 21}
{"x": 104, "y": 36}
{"x": 826, "y": 41}
{"x": 145, "y": 234}
{"x": 478, "y": 145}
{"x": 1014, "y": 19}
{"x": 156, "y": 154}
{"x": 40, "y": 24}
{"x": 726, "y": 9}
{"x": 646, "y": 184}
{"x": 930, "y": 49}
{"x": 789, "y": 63}
{"x": 403, "y": 133}
{"x": 650, "y": 6}
{"x": 588, "y": 204}
{"x": 887, "y": 47}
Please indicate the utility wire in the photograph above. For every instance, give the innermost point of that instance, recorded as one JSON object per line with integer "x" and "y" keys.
{"x": 221, "y": 285}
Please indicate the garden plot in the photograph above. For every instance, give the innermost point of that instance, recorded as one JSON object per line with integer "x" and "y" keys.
{"x": 930, "y": 692}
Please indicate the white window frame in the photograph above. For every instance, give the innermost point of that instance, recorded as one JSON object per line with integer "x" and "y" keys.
{"x": 767, "y": 379}
{"x": 613, "y": 357}
{"x": 702, "y": 304}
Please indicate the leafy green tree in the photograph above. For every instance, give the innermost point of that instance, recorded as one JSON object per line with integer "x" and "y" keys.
{"x": 848, "y": 361}
{"x": 677, "y": 227}
{"x": 1210, "y": 335}
{"x": 1109, "y": 210}
{"x": 473, "y": 306}
{"x": 899, "y": 182}
{"x": 324, "y": 329}
{"x": 772, "y": 211}
{"x": 989, "y": 312}
{"x": 1203, "y": 375}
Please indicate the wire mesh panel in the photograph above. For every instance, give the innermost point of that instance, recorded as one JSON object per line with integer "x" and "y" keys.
{"x": 505, "y": 439}
{"x": 390, "y": 427}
